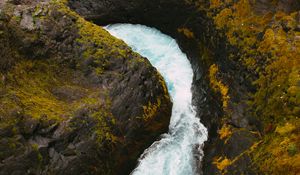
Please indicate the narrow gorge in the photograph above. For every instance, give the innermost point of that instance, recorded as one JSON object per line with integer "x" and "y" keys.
{"x": 74, "y": 99}
{"x": 180, "y": 150}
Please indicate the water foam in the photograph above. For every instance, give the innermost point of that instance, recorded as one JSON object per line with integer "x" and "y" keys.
{"x": 179, "y": 151}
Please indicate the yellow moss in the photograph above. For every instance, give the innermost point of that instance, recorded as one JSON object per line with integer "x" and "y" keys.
{"x": 282, "y": 151}
{"x": 103, "y": 129}
{"x": 215, "y": 3}
{"x": 223, "y": 18}
{"x": 254, "y": 146}
{"x": 275, "y": 58}
{"x": 163, "y": 84}
{"x": 187, "y": 32}
{"x": 287, "y": 128}
{"x": 30, "y": 84}
{"x": 225, "y": 132}
{"x": 268, "y": 46}
{"x": 101, "y": 43}
{"x": 61, "y": 5}
{"x": 243, "y": 9}
{"x": 218, "y": 86}
{"x": 105, "y": 44}
{"x": 151, "y": 110}
{"x": 28, "y": 89}
{"x": 222, "y": 163}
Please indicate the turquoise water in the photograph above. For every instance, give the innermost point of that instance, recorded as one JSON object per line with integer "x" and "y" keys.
{"x": 179, "y": 151}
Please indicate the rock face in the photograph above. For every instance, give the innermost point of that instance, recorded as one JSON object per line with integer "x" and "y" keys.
{"x": 73, "y": 99}
{"x": 245, "y": 58}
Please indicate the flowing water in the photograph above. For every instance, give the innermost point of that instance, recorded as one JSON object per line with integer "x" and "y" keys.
{"x": 179, "y": 151}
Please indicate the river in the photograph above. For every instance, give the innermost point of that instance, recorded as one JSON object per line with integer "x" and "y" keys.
{"x": 179, "y": 151}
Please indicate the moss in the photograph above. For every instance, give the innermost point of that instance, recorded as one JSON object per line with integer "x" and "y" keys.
{"x": 29, "y": 90}
{"x": 35, "y": 147}
{"x": 221, "y": 20}
{"x": 98, "y": 46}
{"x": 292, "y": 149}
{"x": 225, "y": 132}
{"x": 186, "y": 32}
{"x": 40, "y": 157}
{"x": 268, "y": 48}
{"x": 279, "y": 149}
{"x": 215, "y": 3}
{"x": 102, "y": 129}
{"x": 286, "y": 129}
{"x": 218, "y": 85}
{"x": 151, "y": 110}
{"x": 105, "y": 45}
{"x": 29, "y": 86}
{"x": 163, "y": 84}
{"x": 222, "y": 163}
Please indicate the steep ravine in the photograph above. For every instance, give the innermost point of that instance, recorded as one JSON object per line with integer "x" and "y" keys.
{"x": 201, "y": 52}
{"x": 180, "y": 149}
{"x": 245, "y": 57}
{"x": 69, "y": 101}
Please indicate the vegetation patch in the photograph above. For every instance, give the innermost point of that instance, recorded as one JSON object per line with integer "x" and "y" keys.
{"x": 186, "y": 32}
{"x": 225, "y": 132}
{"x": 222, "y": 163}
{"x": 218, "y": 85}
{"x": 151, "y": 110}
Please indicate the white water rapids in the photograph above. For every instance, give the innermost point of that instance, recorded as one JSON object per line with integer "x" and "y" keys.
{"x": 179, "y": 151}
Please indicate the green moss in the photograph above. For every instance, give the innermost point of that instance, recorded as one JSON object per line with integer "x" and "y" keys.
{"x": 292, "y": 149}
{"x": 35, "y": 147}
